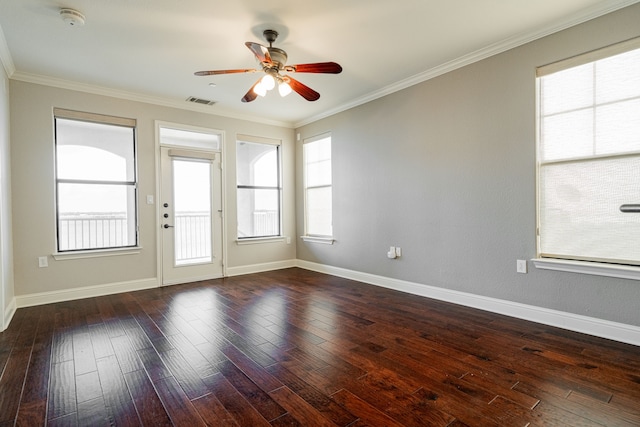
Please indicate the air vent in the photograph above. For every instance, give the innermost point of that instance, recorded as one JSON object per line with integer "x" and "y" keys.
{"x": 200, "y": 101}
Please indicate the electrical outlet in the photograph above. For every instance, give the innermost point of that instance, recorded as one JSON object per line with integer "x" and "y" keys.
{"x": 42, "y": 262}
{"x": 521, "y": 266}
{"x": 392, "y": 253}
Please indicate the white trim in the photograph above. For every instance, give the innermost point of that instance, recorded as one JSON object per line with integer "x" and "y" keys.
{"x": 138, "y": 97}
{"x": 158, "y": 124}
{"x": 314, "y": 239}
{"x": 96, "y": 253}
{"x": 601, "y": 328}
{"x": 259, "y": 240}
{"x": 84, "y": 292}
{"x": 8, "y": 314}
{"x": 259, "y": 268}
{"x": 585, "y": 267}
{"x": 588, "y": 325}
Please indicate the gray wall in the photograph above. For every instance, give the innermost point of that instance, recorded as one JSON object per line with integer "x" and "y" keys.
{"x": 32, "y": 149}
{"x": 446, "y": 170}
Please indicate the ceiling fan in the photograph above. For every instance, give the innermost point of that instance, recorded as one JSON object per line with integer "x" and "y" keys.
{"x": 273, "y": 62}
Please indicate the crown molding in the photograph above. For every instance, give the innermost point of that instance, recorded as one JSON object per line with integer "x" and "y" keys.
{"x": 139, "y": 97}
{"x": 484, "y": 53}
{"x": 596, "y": 11}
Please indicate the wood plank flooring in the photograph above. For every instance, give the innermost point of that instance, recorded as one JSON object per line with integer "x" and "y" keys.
{"x": 294, "y": 347}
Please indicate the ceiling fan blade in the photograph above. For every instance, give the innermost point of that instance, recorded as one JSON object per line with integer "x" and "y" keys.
{"x": 261, "y": 52}
{"x": 251, "y": 95}
{"x": 216, "y": 72}
{"x": 303, "y": 90}
{"x": 318, "y": 67}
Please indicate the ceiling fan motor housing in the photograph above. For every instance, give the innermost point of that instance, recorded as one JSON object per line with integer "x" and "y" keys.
{"x": 278, "y": 57}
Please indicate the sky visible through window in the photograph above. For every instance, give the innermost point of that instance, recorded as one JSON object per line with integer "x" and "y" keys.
{"x": 96, "y": 164}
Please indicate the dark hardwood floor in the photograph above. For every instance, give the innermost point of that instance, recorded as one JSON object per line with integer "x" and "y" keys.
{"x": 294, "y": 347}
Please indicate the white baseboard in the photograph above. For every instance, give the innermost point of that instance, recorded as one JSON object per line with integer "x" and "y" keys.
{"x": 84, "y": 292}
{"x": 8, "y": 314}
{"x": 588, "y": 325}
{"x": 259, "y": 268}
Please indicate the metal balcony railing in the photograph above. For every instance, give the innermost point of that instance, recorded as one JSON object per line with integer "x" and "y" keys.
{"x": 98, "y": 230}
{"x": 192, "y": 237}
{"x": 78, "y": 231}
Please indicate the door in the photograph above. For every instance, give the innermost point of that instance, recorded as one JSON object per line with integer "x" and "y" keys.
{"x": 190, "y": 215}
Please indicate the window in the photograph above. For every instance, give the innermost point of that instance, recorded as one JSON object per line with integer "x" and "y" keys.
{"x": 259, "y": 187}
{"x": 189, "y": 137}
{"x": 317, "y": 187}
{"x": 589, "y": 156}
{"x": 95, "y": 181}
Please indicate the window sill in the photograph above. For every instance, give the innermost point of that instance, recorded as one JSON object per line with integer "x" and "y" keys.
{"x": 584, "y": 267}
{"x": 323, "y": 240}
{"x": 61, "y": 256}
{"x": 258, "y": 240}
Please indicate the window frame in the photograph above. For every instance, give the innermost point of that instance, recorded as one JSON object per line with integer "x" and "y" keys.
{"x": 578, "y": 263}
{"x": 308, "y": 237}
{"x": 61, "y": 254}
{"x": 279, "y": 189}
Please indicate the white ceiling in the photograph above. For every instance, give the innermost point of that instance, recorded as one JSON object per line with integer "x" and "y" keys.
{"x": 149, "y": 49}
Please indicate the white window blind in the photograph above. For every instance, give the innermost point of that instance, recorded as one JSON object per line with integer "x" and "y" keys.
{"x": 96, "y": 181}
{"x": 318, "y": 193}
{"x": 259, "y": 187}
{"x": 589, "y": 156}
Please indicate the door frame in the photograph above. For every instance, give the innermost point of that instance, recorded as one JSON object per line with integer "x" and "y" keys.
{"x": 158, "y": 208}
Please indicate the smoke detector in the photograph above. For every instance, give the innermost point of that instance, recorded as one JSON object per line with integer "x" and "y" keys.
{"x": 72, "y": 17}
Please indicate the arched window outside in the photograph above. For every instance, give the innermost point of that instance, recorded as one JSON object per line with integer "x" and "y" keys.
{"x": 95, "y": 181}
{"x": 258, "y": 189}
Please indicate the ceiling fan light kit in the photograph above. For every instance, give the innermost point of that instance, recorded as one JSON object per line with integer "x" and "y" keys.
{"x": 268, "y": 82}
{"x": 284, "y": 89}
{"x": 273, "y": 61}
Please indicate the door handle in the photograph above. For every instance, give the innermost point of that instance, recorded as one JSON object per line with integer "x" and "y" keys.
{"x": 631, "y": 208}
{"x": 168, "y": 226}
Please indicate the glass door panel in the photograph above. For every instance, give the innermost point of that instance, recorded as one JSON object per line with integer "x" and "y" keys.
{"x": 192, "y": 210}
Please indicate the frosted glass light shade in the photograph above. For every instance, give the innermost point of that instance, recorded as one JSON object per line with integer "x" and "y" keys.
{"x": 260, "y": 89}
{"x": 284, "y": 89}
{"x": 268, "y": 82}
